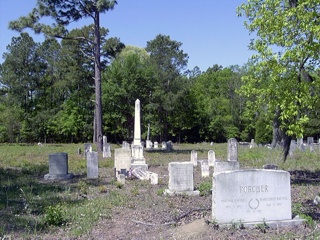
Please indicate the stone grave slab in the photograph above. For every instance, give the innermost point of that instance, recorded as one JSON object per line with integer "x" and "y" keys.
{"x": 181, "y": 179}
{"x": 194, "y": 158}
{"x": 233, "y": 149}
{"x": 251, "y": 196}
{"x": 211, "y": 158}
{"x": 58, "y": 167}
{"x": 92, "y": 165}
{"x": 205, "y": 170}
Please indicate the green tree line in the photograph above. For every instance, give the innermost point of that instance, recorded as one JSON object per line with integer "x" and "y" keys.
{"x": 48, "y": 92}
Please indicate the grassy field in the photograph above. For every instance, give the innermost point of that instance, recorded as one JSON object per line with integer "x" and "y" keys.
{"x": 31, "y": 206}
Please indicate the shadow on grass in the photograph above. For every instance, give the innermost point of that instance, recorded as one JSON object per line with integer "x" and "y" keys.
{"x": 25, "y": 196}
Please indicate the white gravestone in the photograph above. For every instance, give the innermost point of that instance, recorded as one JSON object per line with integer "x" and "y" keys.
{"x": 211, "y": 158}
{"x": 310, "y": 142}
{"x": 125, "y": 145}
{"x": 232, "y": 149}
{"x": 194, "y": 158}
{"x": 156, "y": 145}
{"x": 58, "y": 167}
{"x": 181, "y": 179}
{"x": 122, "y": 161}
{"x": 293, "y": 146}
{"x": 164, "y": 146}
{"x": 87, "y": 148}
{"x": 205, "y": 171}
{"x": 92, "y": 165}
{"x": 106, "y": 149}
{"x": 137, "y": 148}
{"x": 148, "y": 144}
{"x": 250, "y": 196}
{"x": 142, "y": 174}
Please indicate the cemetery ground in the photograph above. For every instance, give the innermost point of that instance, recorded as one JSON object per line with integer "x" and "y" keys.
{"x": 80, "y": 208}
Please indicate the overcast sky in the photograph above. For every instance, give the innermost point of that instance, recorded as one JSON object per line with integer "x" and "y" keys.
{"x": 209, "y": 30}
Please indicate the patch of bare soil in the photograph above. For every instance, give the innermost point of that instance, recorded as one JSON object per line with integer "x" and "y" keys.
{"x": 149, "y": 215}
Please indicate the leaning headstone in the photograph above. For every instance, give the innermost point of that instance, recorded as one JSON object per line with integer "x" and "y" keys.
{"x": 194, "y": 157}
{"x": 92, "y": 165}
{"x": 181, "y": 179}
{"x": 211, "y": 158}
{"x": 232, "y": 149}
{"x": 140, "y": 173}
{"x": 205, "y": 171}
{"x": 143, "y": 174}
{"x": 122, "y": 161}
{"x": 58, "y": 167}
{"x": 251, "y": 196}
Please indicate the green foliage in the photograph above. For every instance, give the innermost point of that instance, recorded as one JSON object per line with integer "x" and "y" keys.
{"x": 282, "y": 74}
{"x": 263, "y": 133}
{"x": 205, "y": 188}
{"x": 54, "y": 215}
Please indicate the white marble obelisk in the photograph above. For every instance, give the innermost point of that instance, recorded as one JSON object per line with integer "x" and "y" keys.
{"x": 137, "y": 126}
{"x": 137, "y": 149}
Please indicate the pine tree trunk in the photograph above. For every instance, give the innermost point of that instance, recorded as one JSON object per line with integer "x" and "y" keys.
{"x": 97, "y": 76}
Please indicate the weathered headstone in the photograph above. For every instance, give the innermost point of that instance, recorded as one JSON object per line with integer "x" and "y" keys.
{"x": 148, "y": 144}
{"x": 232, "y": 149}
{"x": 106, "y": 150}
{"x": 164, "y": 145}
{"x": 310, "y": 142}
{"x": 155, "y": 145}
{"x": 181, "y": 179}
{"x": 293, "y": 146}
{"x": 87, "y": 148}
{"x": 58, "y": 167}
{"x": 211, "y": 158}
{"x": 300, "y": 144}
{"x": 169, "y": 146}
{"x": 143, "y": 174}
{"x": 251, "y": 196}
{"x": 205, "y": 171}
{"x": 194, "y": 157}
{"x": 92, "y": 165}
{"x": 122, "y": 160}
